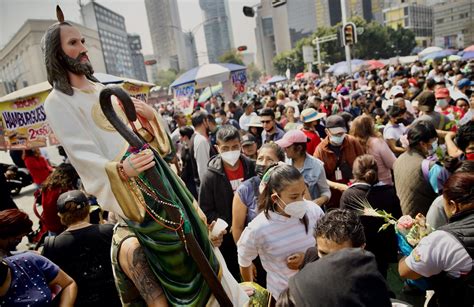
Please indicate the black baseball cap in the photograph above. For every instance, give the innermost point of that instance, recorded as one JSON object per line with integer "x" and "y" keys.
{"x": 336, "y": 124}
{"x": 248, "y": 139}
{"x": 75, "y": 196}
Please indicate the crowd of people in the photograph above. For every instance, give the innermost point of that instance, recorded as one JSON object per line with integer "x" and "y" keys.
{"x": 283, "y": 167}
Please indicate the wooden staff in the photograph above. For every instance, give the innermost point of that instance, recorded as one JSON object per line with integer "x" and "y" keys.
{"x": 153, "y": 177}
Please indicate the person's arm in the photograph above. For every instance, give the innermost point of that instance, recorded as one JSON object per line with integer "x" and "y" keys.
{"x": 337, "y": 185}
{"x": 323, "y": 187}
{"x": 247, "y": 273}
{"x": 392, "y": 144}
{"x": 239, "y": 214}
{"x": 201, "y": 155}
{"x": 69, "y": 288}
{"x": 405, "y": 271}
{"x": 451, "y": 147}
{"x": 134, "y": 264}
{"x": 207, "y": 201}
{"x": 388, "y": 157}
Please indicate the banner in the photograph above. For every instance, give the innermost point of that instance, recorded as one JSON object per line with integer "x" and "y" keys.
{"x": 239, "y": 80}
{"x": 24, "y": 122}
{"x": 184, "y": 97}
{"x": 137, "y": 91}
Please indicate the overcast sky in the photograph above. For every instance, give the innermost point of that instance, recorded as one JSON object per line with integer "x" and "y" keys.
{"x": 13, "y": 13}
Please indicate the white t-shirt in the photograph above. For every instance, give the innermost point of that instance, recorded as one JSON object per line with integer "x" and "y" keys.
{"x": 201, "y": 154}
{"x": 392, "y": 132}
{"x": 440, "y": 251}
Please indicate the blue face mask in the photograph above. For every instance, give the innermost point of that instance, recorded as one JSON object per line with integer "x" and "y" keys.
{"x": 337, "y": 140}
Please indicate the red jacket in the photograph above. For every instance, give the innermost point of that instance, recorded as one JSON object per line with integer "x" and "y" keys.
{"x": 38, "y": 167}
{"x": 314, "y": 141}
{"x": 49, "y": 216}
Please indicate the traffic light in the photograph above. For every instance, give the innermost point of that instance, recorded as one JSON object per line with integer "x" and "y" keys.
{"x": 249, "y": 11}
{"x": 349, "y": 34}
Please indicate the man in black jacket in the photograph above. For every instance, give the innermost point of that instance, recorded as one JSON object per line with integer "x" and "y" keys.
{"x": 225, "y": 173}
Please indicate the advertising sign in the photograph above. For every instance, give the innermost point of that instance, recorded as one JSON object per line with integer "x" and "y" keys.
{"x": 24, "y": 122}
{"x": 184, "y": 97}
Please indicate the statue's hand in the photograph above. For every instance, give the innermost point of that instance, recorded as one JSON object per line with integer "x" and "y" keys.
{"x": 143, "y": 109}
{"x": 138, "y": 163}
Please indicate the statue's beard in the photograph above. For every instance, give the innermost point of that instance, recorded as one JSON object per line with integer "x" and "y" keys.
{"x": 76, "y": 67}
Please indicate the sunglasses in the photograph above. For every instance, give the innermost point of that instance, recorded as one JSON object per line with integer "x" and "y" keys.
{"x": 265, "y": 121}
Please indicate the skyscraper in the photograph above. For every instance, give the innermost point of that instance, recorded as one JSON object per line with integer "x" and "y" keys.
{"x": 167, "y": 37}
{"x": 138, "y": 60}
{"x": 113, "y": 38}
{"x": 217, "y": 28}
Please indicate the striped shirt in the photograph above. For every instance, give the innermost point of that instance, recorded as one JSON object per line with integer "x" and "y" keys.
{"x": 274, "y": 240}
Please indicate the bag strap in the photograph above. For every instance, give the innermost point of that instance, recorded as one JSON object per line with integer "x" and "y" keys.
{"x": 425, "y": 169}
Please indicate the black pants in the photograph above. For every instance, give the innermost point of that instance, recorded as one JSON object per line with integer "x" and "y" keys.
{"x": 229, "y": 251}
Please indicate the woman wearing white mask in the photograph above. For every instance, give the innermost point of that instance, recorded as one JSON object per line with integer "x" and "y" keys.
{"x": 282, "y": 230}
{"x": 413, "y": 188}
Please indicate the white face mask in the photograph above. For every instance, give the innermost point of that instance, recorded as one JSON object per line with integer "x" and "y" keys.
{"x": 434, "y": 147}
{"x": 442, "y": 103}
{"x": 295, "y": 209}
{"x": 231, "y": 157}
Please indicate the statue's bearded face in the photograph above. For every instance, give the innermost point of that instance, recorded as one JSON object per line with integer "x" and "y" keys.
{"x": 74, "y": 51}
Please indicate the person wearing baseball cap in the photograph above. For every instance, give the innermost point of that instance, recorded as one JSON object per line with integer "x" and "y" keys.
{"x": 426, "y": 104}
{"x": 294, "y": 143}
{"x": 338, "y": 150}
{"x": 311, "y": 120}
{"x": 249, "y": 146}
{"x": 443, "y": 100}
{"x": 83, "y": 251}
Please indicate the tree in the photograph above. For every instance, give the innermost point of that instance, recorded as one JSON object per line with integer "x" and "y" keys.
{"x": 402, "y": 40}
{"x": 253, "y": 72}
{"x": 166, "y": 77}
{"x": 231, "y": 56}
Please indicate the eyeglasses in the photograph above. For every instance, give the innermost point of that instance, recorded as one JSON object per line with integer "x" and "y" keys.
{"x": 265, "y": 121}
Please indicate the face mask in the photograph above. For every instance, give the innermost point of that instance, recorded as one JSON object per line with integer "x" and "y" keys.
{"x": 337, "y": 140}
{"x": 442, "y": 103}
{"x": 295, "y": 209}
{"x": 219, "y": 121}
{"x": 434, "y": 146}
{"x": 231, "y": 157}
{"x": 260, "y": 170}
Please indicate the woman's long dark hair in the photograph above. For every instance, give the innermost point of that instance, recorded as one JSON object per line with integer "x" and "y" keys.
{"x": 279, "y": 177}
{"x": 63, "y": 177}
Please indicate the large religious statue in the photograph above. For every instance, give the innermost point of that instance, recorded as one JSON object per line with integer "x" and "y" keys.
{"x": 113, "y": 171}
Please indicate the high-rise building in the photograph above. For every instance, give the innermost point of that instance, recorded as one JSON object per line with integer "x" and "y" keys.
{"x": 328, "y": 12}
{"x": 113, "y": 38}
{"x": 138, "y": 62}
{"x": 278, "y": 29}
{"x": 167, "y": 37}
{"x": 190, "y": 47}
{"x": 21, "y": 59}
{"x": 453, "y": 24}
{"x": 412, "y": 16}
{"x": 217, "y": 28}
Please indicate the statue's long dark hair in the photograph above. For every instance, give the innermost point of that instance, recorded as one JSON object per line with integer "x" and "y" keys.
{"x": 53, "y": 55}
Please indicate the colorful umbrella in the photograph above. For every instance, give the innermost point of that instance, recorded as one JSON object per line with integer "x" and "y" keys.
{"x": 468, "y": 49}
{"x": 428, "y": 50}
{"x": 439, "y": 54}
{"x": 468, "y": 55}
{"x": 453, "y": 58}
{"x": 207, "y": 74}
{"x": 374, "y": 64}
{"x": 276, "y": 79}
{"x": 209, "y": 91}
{"x": 305, "y": 75}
